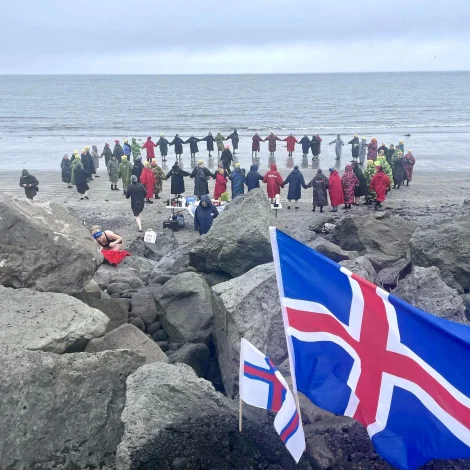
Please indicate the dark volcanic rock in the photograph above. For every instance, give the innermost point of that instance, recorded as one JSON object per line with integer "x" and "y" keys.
{"x": 425, "y": 289}
{"x": 332, "y": 251}
{"x": 248, "y": 306}
{"x": 61, "y": 256}
{"x": 239, "y": 238}
{"x": 360, "y": 266}
{"x": 173, "y": 420}
{"x": 195, "y": 355}
{"x": 165, "y": 243}
{"x": 143, "y": 305}
{"x": 389, "y": 277}
{"x": 62, "y": 411}
{"x": 445, "y": 243}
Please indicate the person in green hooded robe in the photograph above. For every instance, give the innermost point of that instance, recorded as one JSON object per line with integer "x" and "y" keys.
{"x": 220, "y": 139}
{"x": 73, "y": 165}
{"x": 125, "y": 172}
{"x": 369, "y": 173}
{"x": 135, "y": 147}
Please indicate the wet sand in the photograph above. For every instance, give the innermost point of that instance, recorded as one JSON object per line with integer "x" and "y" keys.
{"x": 429, "y": 195}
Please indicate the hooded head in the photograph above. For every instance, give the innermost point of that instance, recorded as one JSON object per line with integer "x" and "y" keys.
{"x": 256, "y": 134}
{"x": 296, "y": 167}
{"x": 154, "y": 162}
{"x": 338, "y": 136}
{"x": 331, "y": 170}
{"x": 134, "y": 179}
{"x": 126, "y": 141}
{"x": 175, "y": 166}
{"x": 87, "y": 148}
{"x": 66, "y": 157}
{"x": 305, "y": 135}
{"x": 374, "y": 139}
{"x": 254, "y": 168}
{"x": 79, "y": 165}
{"x": 273, "y": 167}
{"x": 149, "y": 138}
{"x": 348, "y": 168}
{"x": 354, "y": 164}
{"x": 133, "y": 140}
{"x": 355, "y": 135}
{"x": 124, "y": 158}
{"x": 237, "y": 165}
{"x": 206, "y": 201}
{"x": 363, "y": 138}
{"x": 392, "y": 146}
{"x": 200, "y": 163}
{"x": 192, "y": 135}
{"x": 177, "y": 136}
{"x": 227, "y": 147}
{"x": 234, "y": 131}
{"x": 106, "y": 145}
{"x": 210, "y": 133}
{"x": 402, "y": 141}
{"x": 94, "y": 148}
{"x": 162, "y": 135}
{"x": 116, "y": 141}
{"x": 319, "y": 171}
{"x": 25, "y": 173}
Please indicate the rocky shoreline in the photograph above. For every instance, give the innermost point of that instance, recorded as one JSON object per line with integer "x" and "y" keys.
{"x": 107, "y": 367}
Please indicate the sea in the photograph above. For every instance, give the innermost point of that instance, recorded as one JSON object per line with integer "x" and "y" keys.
{"x": 42, "y": 117}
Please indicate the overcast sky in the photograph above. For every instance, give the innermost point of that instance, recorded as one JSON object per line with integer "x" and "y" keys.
{"x": 237, "y": 36}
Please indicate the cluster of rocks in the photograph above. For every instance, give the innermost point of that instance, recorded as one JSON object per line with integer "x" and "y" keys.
{"x": 105, "y": 367}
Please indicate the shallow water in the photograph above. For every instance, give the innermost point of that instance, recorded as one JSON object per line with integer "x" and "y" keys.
{"x": 43, "y": 117}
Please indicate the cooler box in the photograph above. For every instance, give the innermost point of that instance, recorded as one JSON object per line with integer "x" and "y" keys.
{"x": 171, "y": 224}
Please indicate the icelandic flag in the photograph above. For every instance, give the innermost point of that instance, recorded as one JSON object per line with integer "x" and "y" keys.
{"x": 358, "y": 351}
{"x": 263, "y": 386}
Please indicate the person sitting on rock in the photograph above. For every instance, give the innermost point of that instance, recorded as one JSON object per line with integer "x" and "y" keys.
{"x": 204, "y": 215}
{"x": 106, "y": 239}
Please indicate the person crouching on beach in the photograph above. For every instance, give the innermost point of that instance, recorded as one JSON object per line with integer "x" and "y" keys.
{"x": 273, "y": 181}
{"x": 106, "y": 239}
{"x": 147, "y": 178}
{"x": 379, "y": 184}
{"x": 137, "y": 192}
{"x": 113, "y": 172}
{"x": 81, "y": 181}
{"x": 29, "y": 183}
{"x": 65, "y": 166}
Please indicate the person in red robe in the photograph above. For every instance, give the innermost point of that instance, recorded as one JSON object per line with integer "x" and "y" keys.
{"x": 255, "y": 146}
{"x": 149, "y": 146}
{"x": 335, "y": 188}
{"x": 147, "y": 178}
{"x": 291, "y": 141}
{"x": 380, "y": 183}
{"x": 220, "y": 183}
{"x": 274, "y": 182}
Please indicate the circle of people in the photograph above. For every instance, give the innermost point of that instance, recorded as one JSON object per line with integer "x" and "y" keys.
{"x": 386, "y": 167}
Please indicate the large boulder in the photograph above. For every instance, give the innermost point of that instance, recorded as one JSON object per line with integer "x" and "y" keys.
{"x": 44, "y": 247}
{"x": 143, "y": 306}
{"x": 107, "y": 275}
{"x": 174, "y": 420}
{"x": 174, "y": 262}
{"x": 445, "y": 243}
{"x": 186, "y": 309}
{"x": 425, "y": 289}
{"x": 195, "y": 355}
{"x": 165, "y": 243}
{"x": 114, "y": 309}
{"x": 389, "y": 277}
{"x": 239, "y": 238}
{"x": 47, "y": 321}
{"x": 62, "y": 411}
{"x": 247, "y": 306}
{"x": 332, "y": 251}
{"x": 383, "y": 239}
{"x": 128, "y": 337}
{"x": 360, "y": 266}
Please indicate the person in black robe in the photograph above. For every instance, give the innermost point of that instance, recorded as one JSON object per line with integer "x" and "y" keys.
{"x": 253, "y": 178}
{"x": 163, "y": 144}
{"x": 295, "y": 180}
{"x": 81, "y": 182}
{"x": 355, "y": 147}
{"x": 361, "y": 189}
{"x": 90, "y": 159}
{"x": 178, "y": 143}
{"x": 209, "y": 139}
{"x": 107, "y": 154}
{"x": 305, "y": 142}
{"x": 201, "y": 176}
{"x": 234, "y": 137}
{"x": 65, "y": 166}
{"x": 87, "y": 163}
{"x": 177, "y": 175}
{"x": 226, "y": 158}
{"x": 118, "y": 151}
{"x": 138, "y": 167}
{"x": 193, "y": 147}
{"x": 29, "y": 183}
{"x": 136, "y": 192}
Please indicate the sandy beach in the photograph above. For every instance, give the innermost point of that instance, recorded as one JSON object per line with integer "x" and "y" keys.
{"x": 429, "y": 195}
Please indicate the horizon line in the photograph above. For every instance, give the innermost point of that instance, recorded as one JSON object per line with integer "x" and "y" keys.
{"x": 226, "y": 74}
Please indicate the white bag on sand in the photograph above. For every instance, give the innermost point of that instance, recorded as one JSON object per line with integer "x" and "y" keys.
{"x": 150, "y": 236}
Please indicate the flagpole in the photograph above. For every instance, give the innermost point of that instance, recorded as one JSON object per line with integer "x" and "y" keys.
{"x": 290, "y": 348}
{"x": 240, "y": 382}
